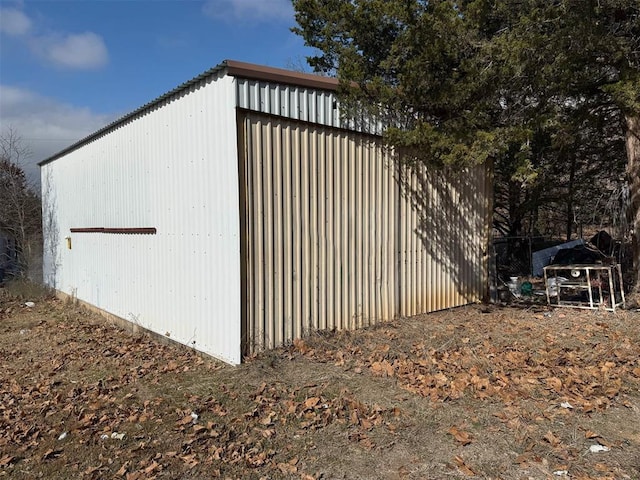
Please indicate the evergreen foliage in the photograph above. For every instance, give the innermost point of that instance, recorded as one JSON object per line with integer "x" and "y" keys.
{"x": 546, "y": 90}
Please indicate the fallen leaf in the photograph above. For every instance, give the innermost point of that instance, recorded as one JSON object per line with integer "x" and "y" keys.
{"x": 190, "y": 460}
{"x": 463, "y": 467}
{"x": 123, "y": 469}
{"x": 51, "y": 453}
{"x": 552, "y": 439}
{"x": 555, "y": 383}
{"x": 185, "y": 420}
{"x": 90, "y": 470}
{"x": 460, "y": 436}
{"x": 311, "y": 402}
{"x": 151, "y": 467}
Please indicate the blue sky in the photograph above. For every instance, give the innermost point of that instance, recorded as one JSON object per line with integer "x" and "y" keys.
{"x": 69, "y": 67}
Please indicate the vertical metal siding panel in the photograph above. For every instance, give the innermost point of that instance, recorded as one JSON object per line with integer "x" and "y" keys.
{"x": 257, "y": 243}
{"x": 269, "y": 248}
{"x": 463, "y": 237}
{"x": 390, "y": 256}
{"x": 281, "y": 252}
{"x": 441, "y": 257}
{"x": 448, "y": 270}
{"x": 426, "y": 268}
{"x": 265, "y": 98}
{"x": 321, "y": 115}
{"x": 308, "y": 99}
{"x": 288, "y": 197}
{"x": 252, "y": 252}
{"x": 273, "y": 93}
{"x": 424, "y": 242}
{"x": 242, "y": 92}
{"x": 284, "y": 101}
{"x": 322, "y": 180}
{"x": 412, "y": 257}
{"x": 433, "y": 290}
{"x": 329, "y": 228}
{"x": 343, "y": 160}
{"x": 341, "y": 213}
{"x": 351, "y": 235}
{"x": 297, "y": 227}
{"x": 422, "y": 246}
{"x": 377, "y": 249}
{"x": 367, "y": 210}
{"x": 404, "y": 260}
{"x": 416, "y": 252}
{"x": 452, "y": 265}
{"x": 305, "y": 104}
{"x": 358, "y": 278}
{"x": 371, "y": 208}
{"x": 151, "y": 171}
{"x": 249, "y": 225}
{"x": 330, "y": 309}
{"x": 253, "y": 94}
{"x": 340, "y": 216}
{"x": 276, "y": 156}
{"x": 407, "y": 234}
{"x": 314, "y": 238}
{"x": 462, "y": 227}
{"x": 305, "y": 247}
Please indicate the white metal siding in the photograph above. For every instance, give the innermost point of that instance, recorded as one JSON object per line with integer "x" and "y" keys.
{"x": 173, "y": 168}
{"x": 336, "y": 239}
{"x": 298, "y": 103}
{"x": 334, "y": 235}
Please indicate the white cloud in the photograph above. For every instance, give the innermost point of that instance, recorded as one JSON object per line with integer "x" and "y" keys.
{"x": 252, "y": 11}
{"x": 13, "y": 22}
{"x": 79, "y": 51}
{"x": 45, "y": 125}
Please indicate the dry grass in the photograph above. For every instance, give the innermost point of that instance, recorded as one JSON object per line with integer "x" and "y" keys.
{"x": 453, "y": 394}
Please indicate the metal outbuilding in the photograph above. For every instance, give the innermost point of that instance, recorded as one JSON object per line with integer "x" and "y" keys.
{"x": 239, "y": 212}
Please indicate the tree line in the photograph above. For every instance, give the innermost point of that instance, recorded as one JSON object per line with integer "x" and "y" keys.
{"x": 546, "y": 91}
{"x": 20, "y": 208}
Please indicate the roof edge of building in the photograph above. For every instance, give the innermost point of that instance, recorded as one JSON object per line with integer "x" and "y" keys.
{"x": 280, "y": 75}
{"x": 233, "y": 68}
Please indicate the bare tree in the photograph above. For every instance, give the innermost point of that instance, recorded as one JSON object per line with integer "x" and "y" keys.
{"x": 51, "y": 233}
{"x": 20, "y": 205}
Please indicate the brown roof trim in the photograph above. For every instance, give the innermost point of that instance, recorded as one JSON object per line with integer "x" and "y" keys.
{"x": 280, "y": 75}
{"x": 230, "y": 67}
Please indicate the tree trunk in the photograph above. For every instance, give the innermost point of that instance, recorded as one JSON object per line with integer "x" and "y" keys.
{"x": 515, "y": 220}
{"x": 570, "y": 193}
{"x": 632, "y": 137}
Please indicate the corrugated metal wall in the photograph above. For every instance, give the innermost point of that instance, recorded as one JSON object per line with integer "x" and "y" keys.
{"x": 298, "y": 103}
{"x": 443, "y": 236}
{"x": 288, "y": 101}
{"x": 335, "y": 238}
{"x": 329, "y": 235}
{"x": 319, "y": 237}
{"x": 173, "y": 168}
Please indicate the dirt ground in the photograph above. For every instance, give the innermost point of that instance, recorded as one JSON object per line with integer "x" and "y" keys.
{"x": 479, "y": 391}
